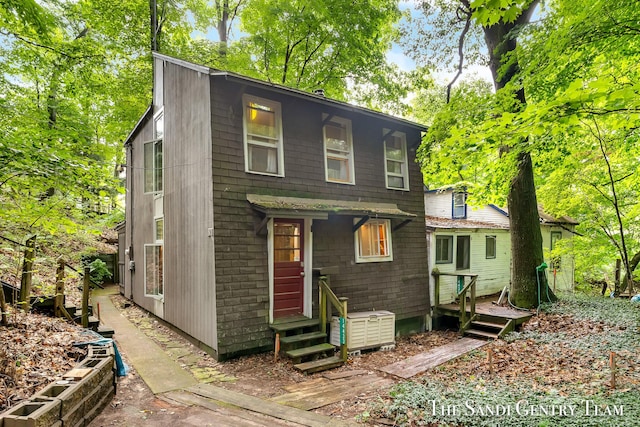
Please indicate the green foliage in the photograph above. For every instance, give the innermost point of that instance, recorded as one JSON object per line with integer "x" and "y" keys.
{"x": 578, "y": 66}
{"x": 476, "y": 401}
{"x": 72, "y": 90}
{"x": 99, "y": 271}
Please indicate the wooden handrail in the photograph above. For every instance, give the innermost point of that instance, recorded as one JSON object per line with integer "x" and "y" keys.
{"x": 81, "y": 274}
{"x": 461, "y": 295}
{"x": 325, "y": 293}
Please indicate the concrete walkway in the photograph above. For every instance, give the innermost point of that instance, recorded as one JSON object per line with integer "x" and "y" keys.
{"x": 157, "y": 370}
{"x": 164, "y": 376}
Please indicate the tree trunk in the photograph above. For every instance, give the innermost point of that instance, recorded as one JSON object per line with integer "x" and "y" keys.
{"x": 222, "y": 29}
{"x": 524, "y": 220}
{"x": 526, "y": 239}
{"x": 628, "y": 280}
{"x": 27, "y": 273}
{"x": 3, "y": 307}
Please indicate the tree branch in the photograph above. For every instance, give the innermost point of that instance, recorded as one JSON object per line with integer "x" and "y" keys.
{"x": 461, "y": 40}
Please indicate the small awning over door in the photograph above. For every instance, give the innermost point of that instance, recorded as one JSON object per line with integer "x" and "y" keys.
{"x": 282, "y": 206}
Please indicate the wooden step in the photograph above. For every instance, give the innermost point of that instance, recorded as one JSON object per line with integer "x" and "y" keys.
{"x": 105, "y": 331}
{"x": 71, "y": 309}
{"x": 309, "y": 351}
{"x": 302, "y": 337}
{"x": 320, "y": 364}
{"x": 490, "y": 325}
{"x": 480, "y": 333}
{"x": 298, "y": 324}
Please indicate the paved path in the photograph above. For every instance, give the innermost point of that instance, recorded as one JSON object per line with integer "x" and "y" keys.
{"x": 210, "y": 405}
{"x": 157, "y": 370}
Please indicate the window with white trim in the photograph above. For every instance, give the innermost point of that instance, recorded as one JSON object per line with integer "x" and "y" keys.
{"x": 373, "y": 241}
{"x": 153, "y": 270}
{"x": 338, "y": 150}
{"x": 263, "y": 136}
{"x": 159, "y": 229}
{"x": 490, "y": 247}
{"x": 444, "y": 249}
{"x": 396, "y": 165}
{"x": 459, "y": 205}
{"x": 153, "y": 159}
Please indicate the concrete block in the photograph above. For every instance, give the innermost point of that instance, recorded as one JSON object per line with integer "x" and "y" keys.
{"x": 96, "y": 401}
{"x": 100, "y": 351}
{"x": 101, "y": 369}
{"x": 72, "y": 402}
{"x": 42, "y": 412}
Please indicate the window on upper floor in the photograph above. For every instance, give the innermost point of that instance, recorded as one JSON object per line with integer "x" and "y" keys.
{"x": 396, "y": 166}
{"x": 338, "y": 150}
{"x": 263, "y": 153}
{"x": 490, "y": 247}
{"x": 153, "y": 159}
{"x": 459, "y": 203}
{"x": 444, "y": 249}
{"x": 373, "y": 241}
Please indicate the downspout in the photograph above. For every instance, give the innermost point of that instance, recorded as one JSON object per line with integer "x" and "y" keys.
{"x": 129, "y": 221}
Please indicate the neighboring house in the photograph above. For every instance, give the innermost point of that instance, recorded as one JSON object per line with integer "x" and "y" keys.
{"x": 470, "y": 240}
{"x": 237, "y": 189}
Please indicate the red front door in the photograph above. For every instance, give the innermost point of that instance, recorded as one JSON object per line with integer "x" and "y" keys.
{"x": 288, "y": 267}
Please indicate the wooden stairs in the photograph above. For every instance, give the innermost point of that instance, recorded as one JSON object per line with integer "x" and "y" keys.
{"x": 302, "y": 340}
{"x": 46, "y": 304}
{"x": 489, "y": 327}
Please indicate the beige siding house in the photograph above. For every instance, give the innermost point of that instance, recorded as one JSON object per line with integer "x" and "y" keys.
{"x": 476, "y": 240}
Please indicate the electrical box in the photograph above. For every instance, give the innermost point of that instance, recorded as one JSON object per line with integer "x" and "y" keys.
{"x": 366, "y": 329}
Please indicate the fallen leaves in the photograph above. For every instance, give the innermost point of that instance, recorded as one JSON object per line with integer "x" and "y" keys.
{"x": 36, "y": 350}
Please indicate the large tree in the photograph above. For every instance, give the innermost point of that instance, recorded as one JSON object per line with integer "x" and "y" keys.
{"x": 578, "y": 61}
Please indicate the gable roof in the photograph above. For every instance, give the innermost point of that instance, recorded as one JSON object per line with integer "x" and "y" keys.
{"x": 436, "y": 222}
{"x": 545, "y": 218}
{"x": 287, "y": 90}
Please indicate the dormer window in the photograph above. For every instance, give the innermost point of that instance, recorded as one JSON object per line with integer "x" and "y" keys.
{"x": 459, "y": 203}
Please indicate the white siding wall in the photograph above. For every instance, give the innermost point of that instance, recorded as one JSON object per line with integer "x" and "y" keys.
{"x": 487, "y": 214}
{"x": 493, "y": 274}
{"x": 438, "y": 204}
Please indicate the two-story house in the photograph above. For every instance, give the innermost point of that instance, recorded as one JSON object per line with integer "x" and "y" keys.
{"x": 237, "y": 189}
{"x": 476, "y": 240}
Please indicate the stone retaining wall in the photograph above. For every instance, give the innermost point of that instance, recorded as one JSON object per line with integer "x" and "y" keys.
{"x": 74, "y": 400}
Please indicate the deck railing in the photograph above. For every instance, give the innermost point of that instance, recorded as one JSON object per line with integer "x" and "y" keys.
{"x": 461, "y": 296}
{"x": 326, "y": 295}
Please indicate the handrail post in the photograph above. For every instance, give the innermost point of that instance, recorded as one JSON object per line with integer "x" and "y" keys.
{"x": 436, "y": 287}
{"x": 322, "y": 304}
{"x": 463, "y": 309}
{"x": 59, "y": 298}
{"x": 473, "y": 296}
{"x": 85, "y": 297}
{"x": 343, "y": 343}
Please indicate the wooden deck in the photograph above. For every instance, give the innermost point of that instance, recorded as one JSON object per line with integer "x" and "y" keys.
{"x": 324, "y": 391}
{"x": 424, "y": 361}
{"x": 488, "y": 308}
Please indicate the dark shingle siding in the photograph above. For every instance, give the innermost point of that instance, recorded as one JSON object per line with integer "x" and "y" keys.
{"x": 243, "y": 287}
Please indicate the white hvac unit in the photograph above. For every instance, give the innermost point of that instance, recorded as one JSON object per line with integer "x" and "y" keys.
{"x": 366, "y": 329}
